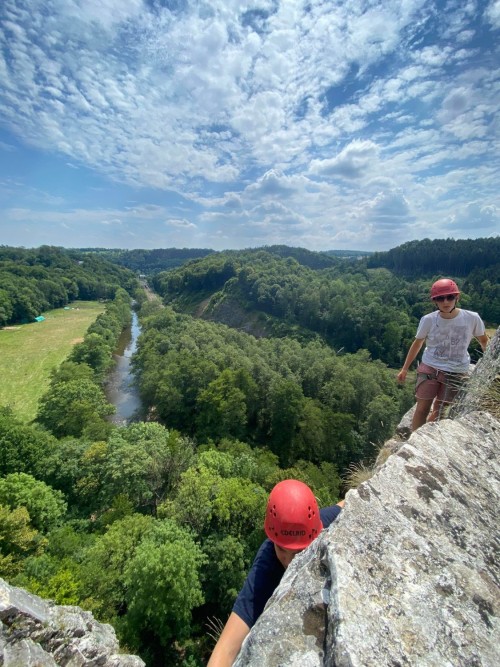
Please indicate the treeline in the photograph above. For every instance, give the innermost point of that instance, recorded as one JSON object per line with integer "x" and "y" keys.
{"x": 357, "y": 254}
{"x": 150, "y": 261}
{"x": 454, "y": 257}
{"x": 303, "y": 401}
{"x": 348, "y": 305}
{"x": 36, "y": 280}
{"x": 310, "y": 258}
{"x": 473, "y": 262}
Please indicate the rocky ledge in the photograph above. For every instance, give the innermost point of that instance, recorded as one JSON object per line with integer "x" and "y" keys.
{"x": 409, "y": 573}
{"x": 37, "y": 633}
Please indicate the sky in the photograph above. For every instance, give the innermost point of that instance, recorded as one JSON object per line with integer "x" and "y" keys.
{"x": 324, "y": 124}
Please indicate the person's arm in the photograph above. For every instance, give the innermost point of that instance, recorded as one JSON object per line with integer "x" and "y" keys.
{"x": 410, "y": 357}
{"x": 483, "y": 341}
{"x": 230, "y": 641}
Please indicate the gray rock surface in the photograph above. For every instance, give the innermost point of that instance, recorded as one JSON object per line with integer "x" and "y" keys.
{"x": 483, "y": 387}
{"x": 409, "y": 574}
{"x": 37, "y": 633}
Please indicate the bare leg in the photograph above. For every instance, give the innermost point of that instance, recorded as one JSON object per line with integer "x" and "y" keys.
{"x": 421, "y": 412}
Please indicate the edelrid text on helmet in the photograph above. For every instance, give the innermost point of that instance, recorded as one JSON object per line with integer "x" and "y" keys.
{"x": 443, "y": 287}
{"x": 292, "y": 515}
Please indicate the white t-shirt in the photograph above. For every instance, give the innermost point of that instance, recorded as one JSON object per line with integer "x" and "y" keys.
{"x": 447, "y": 340}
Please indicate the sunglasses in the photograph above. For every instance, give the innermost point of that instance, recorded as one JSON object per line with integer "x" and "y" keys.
{"x": 446, "y": 297}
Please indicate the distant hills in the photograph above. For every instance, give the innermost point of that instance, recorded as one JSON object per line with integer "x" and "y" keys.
{"x": 164, "y": 259}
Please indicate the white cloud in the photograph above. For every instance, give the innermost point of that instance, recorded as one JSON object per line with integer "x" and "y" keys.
{"x": 182, "y": 224}
{"x": 475, "y": 215}
{"x": 386, "y": 209}
{"x": 353, "y": 162}
{"x": 272, "y": 115}
{"x": 492, "y": 13}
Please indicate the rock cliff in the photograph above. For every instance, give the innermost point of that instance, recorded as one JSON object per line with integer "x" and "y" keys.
{"x": 38, "y": 633}
{"x": 409, "y": 574}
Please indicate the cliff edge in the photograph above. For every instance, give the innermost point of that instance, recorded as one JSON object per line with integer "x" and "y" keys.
{"x": 409, "y": 574}
{"x": 37, "y": 633}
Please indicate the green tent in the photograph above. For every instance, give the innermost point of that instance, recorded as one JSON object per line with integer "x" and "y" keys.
{"x": 40, "y": 318}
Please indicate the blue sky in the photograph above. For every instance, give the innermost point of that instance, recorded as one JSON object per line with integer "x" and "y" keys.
{"x": 354, "y": 124}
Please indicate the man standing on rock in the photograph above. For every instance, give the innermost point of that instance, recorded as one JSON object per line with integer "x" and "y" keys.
{"x": 293, "y": 520}
{"x": 447, "y": 333}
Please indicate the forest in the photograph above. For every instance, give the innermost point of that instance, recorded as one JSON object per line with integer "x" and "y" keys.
{"x": 153, "y": 525}
{"x": 33, "y": 281}
{"x": 148, "y": 262}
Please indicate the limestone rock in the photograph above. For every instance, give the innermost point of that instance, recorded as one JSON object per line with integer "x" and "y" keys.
{"x": 409, "y": 573}
{"x": 482, "y": 391}
{"x": 36, "y": 632}
{"x": 403, "y": 429}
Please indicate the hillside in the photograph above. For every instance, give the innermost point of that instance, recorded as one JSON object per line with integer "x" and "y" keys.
{"x": 148, "y": 262}
{"x": 33, "y": 281}
{"x": 279, "y": 291}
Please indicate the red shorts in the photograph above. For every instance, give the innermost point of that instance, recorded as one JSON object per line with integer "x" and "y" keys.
{"x": 433, "y": 383}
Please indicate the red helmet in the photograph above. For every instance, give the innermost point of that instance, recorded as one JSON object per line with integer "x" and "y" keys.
{"x": 443, "y": 287}
{"x": 292, "y": 515}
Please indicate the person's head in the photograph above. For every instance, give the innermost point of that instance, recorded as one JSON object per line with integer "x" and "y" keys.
{"x": 292, "y": 519}
{"x": 445, "y": 294}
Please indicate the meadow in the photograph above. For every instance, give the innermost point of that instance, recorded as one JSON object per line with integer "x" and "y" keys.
{"x": 29, "y": 352}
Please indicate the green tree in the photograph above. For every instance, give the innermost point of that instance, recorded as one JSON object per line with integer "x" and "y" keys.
{"x": 226, "y": 569}
{"x": 71, "y": 370}
{"x": 163, "y": 583}
{"x": 23, "y": 448}
{"x": 95, "y": 352}
{"x": 382, "y": 418}
{"x": 286, "y": 402}
{"x": 221, "y": 407}
{"x": 18, "y": 539}
{"x": 104, "y": 565}
{"x": 6, "y": 308}
{"x": 46, "y": 507}
{"x": 69, "y": 407}
{"x": 144, "y": 462}
{"x": 192, "y": 505}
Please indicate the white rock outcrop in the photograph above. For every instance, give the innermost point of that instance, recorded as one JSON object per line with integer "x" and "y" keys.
{"x": 409, "y": 574}
{"x": 37, "y": 633}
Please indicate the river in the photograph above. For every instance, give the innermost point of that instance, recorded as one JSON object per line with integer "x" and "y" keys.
{"x": 120, "y": 388}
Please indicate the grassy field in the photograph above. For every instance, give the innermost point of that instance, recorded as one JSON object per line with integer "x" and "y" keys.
{"x": 28, "y": 352}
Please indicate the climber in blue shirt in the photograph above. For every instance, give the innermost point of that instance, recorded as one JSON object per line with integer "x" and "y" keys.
{"x": 293, "y": 520}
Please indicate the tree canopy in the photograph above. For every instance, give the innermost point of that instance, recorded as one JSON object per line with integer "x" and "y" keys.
{"x": 36, "y": 280}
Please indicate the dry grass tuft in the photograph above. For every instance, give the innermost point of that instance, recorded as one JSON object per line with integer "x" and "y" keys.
{"x": 357, "y": 473}
{"x": 383, "y": 455}
{"x": 214, "y": 628}
{"x": 491, "y": 398}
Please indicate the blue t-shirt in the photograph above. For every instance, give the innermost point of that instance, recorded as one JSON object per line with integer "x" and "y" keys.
{"x": 266, "y": 574}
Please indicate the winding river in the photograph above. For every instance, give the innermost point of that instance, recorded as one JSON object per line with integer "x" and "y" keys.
{"x": 120, "y": 388}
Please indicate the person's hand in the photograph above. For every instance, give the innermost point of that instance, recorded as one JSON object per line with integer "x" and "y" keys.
{"x": 402, "y": 375}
